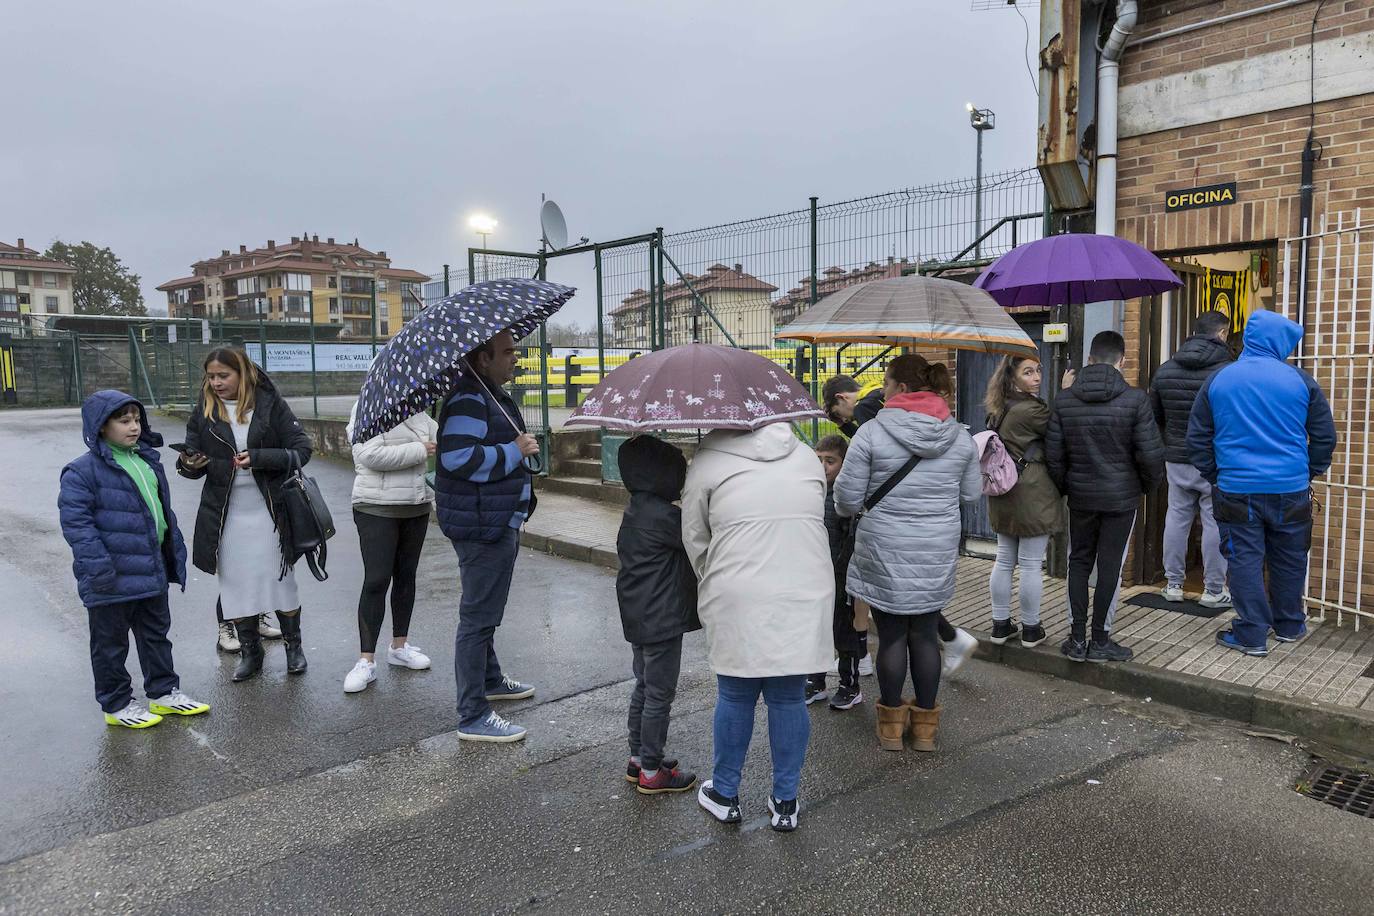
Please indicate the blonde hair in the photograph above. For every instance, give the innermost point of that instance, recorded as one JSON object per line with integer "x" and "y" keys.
{"x": 1002, "y": 385}
{"x": 237, "y": 360}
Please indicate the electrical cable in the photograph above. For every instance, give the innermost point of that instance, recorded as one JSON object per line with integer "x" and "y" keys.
{"x": 1025, "y": 51}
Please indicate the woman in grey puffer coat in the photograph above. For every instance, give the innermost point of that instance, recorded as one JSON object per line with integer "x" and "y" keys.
{"x": 907, "y": 547}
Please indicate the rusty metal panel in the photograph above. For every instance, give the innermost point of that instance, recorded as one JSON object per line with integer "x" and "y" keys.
{"x": 1057, "y": 155}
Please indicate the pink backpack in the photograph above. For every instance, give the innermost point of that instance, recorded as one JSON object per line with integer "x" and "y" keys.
{"x": 1000, "y": 472}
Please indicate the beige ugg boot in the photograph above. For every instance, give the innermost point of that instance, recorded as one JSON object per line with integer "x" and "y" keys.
{"x": 923, "y": 724}
{"x": 891, "y": 726}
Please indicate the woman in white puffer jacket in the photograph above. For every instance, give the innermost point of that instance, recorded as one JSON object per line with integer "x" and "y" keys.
{"x": 391, "y": 507}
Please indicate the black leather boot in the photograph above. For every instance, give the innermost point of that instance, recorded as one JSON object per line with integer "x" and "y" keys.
{"x": 250, "y": 649}
{"x": 291, "y": 636}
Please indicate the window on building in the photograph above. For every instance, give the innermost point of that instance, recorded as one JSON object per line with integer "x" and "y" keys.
{"x": 21, "y": 277}
{"x": 49, "y": 280}
{"x": 9, "y": 302}
{"x": 7, "y": 279}
{"x": 333, "y": 282}
{"x": 333, "y": 305}
{"x": 50, "y": 303}
{"x": 297, "y": 281}
{"x": 381, "y": 286}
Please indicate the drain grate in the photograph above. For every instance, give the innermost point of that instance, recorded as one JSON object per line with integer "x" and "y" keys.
{"x": 1349, "y": 790}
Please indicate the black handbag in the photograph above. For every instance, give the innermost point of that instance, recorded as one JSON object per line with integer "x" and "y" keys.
{"x": 309, "y": 525}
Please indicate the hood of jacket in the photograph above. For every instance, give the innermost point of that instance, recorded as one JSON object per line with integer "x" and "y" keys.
{"x": 773, "y": 442}
{"x": 650, "y": 465}
{"x": 1199, "y": 352}
{"x": 919, "y": 432}
{"x": 102, "y": 405}
{"x": 1271, "y": 336}
{"x": 1099, "y": 383}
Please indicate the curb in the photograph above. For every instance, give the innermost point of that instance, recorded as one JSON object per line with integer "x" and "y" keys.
{"x": 1350, "y": 731}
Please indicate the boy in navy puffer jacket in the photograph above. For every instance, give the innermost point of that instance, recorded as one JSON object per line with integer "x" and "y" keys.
{"x": 116, "y": 513}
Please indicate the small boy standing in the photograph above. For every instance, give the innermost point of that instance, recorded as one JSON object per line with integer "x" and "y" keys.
{"x": 657, "y": 593}
{"x": 116, "y": 513}
{"x": 851, "y": 645}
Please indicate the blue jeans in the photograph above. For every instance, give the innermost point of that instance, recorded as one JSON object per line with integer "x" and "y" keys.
{"x": 789, "y": 728}
{"x": 485, "y": 571}
{"x": 1272, "y": 530}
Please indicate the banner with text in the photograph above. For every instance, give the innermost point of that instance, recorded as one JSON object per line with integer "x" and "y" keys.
{"x": 328, "y": 357}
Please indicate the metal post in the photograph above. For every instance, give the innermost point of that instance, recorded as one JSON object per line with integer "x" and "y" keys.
{"x": 189, "y": 359}
{"x": 600, "y": 319}
{"x": 262, "y": 342}
{"x": 314, "y": 378}
{"x": 662, "y": 305}
{"x": 815, "y": 367}
{"x": 374, "y": 317}
{"x": 445, "y": 279}
{"x": 472, "y": 265}
{"x": 76, "y": 356}
{"x": 544, "y": 371}
{"x": 978, "y": 200}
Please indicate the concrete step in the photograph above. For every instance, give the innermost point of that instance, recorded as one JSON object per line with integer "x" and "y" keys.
{"x": 580, "y": 467}
{"x": 593, "y": 451}
{"x": 586, "y": 488}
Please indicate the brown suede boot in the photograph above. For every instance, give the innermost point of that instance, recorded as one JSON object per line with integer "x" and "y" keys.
{"x": 891, "y": 725}
{"x": 924, "y": 723}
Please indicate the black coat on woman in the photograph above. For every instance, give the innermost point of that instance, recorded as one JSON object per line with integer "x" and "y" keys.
{"x": 656, "y": 586}
{"x": 277, "y": 445}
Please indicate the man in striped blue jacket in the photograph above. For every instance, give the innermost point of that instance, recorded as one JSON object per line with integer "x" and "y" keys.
{"x": 484, "y": 496}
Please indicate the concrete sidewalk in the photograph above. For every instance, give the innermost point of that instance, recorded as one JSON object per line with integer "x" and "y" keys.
{"x": 1321, "y": 688}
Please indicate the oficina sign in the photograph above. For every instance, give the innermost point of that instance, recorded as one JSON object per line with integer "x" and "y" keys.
{"x": 1215, "y": 195}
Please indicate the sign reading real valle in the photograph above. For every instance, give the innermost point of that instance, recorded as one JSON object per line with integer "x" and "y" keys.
{"x": 1213, "y": 195}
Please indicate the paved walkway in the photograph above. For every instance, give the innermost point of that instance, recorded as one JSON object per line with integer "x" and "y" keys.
{"x": 1334, "y": 665}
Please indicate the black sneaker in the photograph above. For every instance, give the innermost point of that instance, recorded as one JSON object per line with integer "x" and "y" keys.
{"x": 1109, "y": 651}
{"x": 1076, "y": 650}
{"x": 815, "y": 690}
{"x": 847, "y": 696}
{"x": 1002, "y": 630}
{"x": 784, "y": 816}
{"x": 1032, "y": 636}
{"x": 725, "y": 810}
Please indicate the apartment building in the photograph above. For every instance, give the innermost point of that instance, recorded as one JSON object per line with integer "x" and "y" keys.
{"x": 331, "y": 282}
{"x": 740, "y": 301}
{"x": 31, "y": 283}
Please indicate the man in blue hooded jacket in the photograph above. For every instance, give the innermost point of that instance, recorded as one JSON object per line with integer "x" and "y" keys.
{"x": 1260, "y": 431}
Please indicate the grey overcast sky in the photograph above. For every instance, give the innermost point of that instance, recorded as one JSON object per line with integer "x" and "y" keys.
{"x": 170, "y": 130}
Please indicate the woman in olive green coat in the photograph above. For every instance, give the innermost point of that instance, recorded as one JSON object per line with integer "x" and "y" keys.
{"x": 1025, "y": 516}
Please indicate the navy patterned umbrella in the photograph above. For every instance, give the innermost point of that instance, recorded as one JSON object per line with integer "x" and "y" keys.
{"x": 425, "y": 359}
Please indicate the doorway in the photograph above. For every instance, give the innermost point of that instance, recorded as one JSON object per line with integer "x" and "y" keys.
{"x": 1237, "y": 281}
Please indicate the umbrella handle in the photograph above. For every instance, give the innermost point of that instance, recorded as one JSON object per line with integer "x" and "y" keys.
{"x": 535, "y": 464}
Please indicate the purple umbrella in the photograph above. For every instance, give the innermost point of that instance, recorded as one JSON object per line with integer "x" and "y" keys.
{"x": 695, "y": 386}
{"x": 1077, "y": 268}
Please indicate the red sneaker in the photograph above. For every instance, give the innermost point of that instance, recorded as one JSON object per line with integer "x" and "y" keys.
{"x": 666, "y": 780}
{"x": 632, "y": 769}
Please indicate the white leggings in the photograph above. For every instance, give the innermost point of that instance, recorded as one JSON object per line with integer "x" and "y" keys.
{"x": 1029, "y": 554}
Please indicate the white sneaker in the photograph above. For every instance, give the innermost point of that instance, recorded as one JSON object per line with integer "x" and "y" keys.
{"x": 228, "y": 640}
{"x": 177, "y": 703}
{"x": 1172, "y": 593}
{"x": 132, "y": 716}
{"x": 363, "y": 673}
{"x": 266, "y": 630}
{"x": 407, "y": 656}
{"x": 959, "y": 649}
{"x": 1216, "y": 601}
{"x": 866, "y": 666}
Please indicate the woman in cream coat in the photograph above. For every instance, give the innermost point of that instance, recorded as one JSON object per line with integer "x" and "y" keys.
{"x": 753, "y": 525}
{"x": 391, "y": 508}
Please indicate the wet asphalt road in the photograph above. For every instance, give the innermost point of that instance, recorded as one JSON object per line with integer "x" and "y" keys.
{"x": 1045, "y": 796}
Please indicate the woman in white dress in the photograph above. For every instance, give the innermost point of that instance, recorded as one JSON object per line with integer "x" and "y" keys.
{"x": 244, "y": 440}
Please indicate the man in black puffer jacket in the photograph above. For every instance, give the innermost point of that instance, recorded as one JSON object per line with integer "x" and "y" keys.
{"x": 1172, "y": 393}
{"x": 1103, "y": 450}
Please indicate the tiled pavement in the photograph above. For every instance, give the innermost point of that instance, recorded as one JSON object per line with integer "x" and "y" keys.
{"x": 1334, "y": 665}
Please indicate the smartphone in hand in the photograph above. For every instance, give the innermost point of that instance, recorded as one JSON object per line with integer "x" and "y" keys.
{"x": 184, "y": 449}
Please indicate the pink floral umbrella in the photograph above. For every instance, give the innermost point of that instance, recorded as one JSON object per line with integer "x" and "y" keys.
{"x": 695, "y": 386}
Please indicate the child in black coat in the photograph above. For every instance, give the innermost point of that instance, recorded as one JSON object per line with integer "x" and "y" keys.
{"x": 657, "y": 592}
{"x": 851, "y": 645}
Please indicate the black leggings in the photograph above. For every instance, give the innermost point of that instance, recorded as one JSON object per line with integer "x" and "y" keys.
{"x": 391, "y": 554}
{"x": 947, "y": 633}
{"x": 903, "y": 639}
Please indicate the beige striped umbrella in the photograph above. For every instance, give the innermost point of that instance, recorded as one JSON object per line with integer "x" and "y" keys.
{"x": 913, "y": 312}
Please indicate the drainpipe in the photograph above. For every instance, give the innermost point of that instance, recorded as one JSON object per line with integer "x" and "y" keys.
{"x": 1108, "y": 77}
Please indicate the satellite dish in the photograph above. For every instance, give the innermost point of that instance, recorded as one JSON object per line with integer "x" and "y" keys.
{"x": 554, "y": 226}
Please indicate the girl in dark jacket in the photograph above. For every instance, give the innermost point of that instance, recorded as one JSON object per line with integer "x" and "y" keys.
{"x": 1026, "y": 516}
{"x": 657, "y": 592}
{"x": 244, "y": 440}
